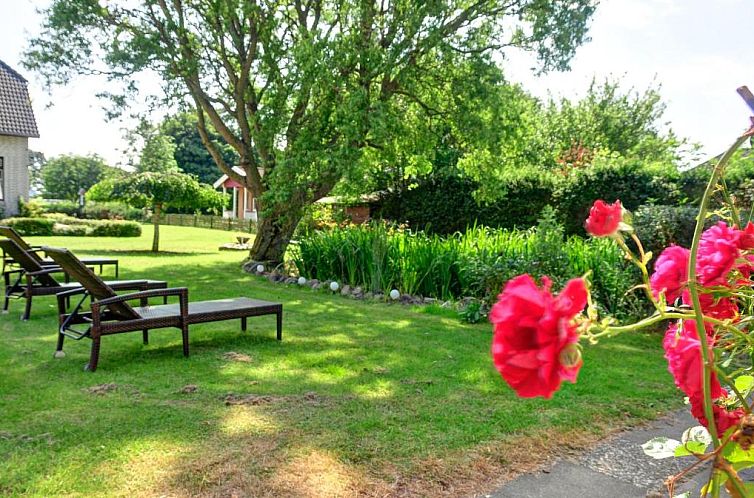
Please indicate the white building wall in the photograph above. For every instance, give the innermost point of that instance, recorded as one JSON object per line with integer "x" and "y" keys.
{"x": 15, "y": 154}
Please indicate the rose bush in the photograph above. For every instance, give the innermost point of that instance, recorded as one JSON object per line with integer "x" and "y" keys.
{"x": 702, "y": 295}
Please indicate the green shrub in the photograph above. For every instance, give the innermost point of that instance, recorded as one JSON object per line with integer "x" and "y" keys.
{"x": 30, "y": 226}
{"x": 60, "y": 224}
{"x": 114, "y": 228}
{"x": 70, "y": 230}
{"x": 111, "y": 210}
{"x": 659, "y": 226}
{"x": 631, "y": 181}
{"x": 30, "y": 209}
{"x": 445, "y": 204}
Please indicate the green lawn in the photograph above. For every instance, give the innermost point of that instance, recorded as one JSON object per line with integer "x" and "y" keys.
{"x": 358, "y": 398}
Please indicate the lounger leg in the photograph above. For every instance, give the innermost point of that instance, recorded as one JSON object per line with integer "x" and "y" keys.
{"x": 27, "y": 309}
{"x": 94, "y": 356}
{"x": 184, "y": 333}
{"x": 7, "y": 301}
{"x": 145, "y": 336}
{"x": 243, "y": 324}
{"x": 116, "y": 270}
{"x": 59, "y": 353}
{"x": 280, "y": 325}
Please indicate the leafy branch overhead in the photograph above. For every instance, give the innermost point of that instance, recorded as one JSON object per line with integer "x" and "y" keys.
{"x": 301, "y": 88}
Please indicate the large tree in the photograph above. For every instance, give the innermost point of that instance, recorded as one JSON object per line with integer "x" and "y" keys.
{"x": 300, "y": 88}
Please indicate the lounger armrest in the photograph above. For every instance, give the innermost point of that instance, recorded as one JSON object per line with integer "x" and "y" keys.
{"x": 46, "y": 271}
{"x": 63, "y": 298}
{"x": 173, "y": 291}
{"x": 182, "y": 293}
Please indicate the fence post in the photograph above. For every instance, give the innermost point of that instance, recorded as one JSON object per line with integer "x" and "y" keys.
{"x": 210, "y": 221}
{"x": 195, "y": 218}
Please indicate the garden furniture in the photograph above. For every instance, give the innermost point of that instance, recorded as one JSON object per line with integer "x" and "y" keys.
{"x": 12, "y": 234}
{"x": 33, "y": 279}
{"x": 112, "y": 314}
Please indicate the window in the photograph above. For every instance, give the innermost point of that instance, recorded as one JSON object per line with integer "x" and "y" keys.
{"x": 2, "y": 179}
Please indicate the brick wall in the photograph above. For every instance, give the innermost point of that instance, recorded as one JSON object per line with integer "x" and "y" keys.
{"x": 15, "y": 154}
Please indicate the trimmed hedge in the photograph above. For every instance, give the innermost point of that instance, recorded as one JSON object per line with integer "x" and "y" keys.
{"x": 30, "y": 226}
{"x": 96, "y": 210}
{"x": 59, "y": 224}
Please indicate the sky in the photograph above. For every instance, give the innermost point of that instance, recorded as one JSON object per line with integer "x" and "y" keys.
{"x": 697, "y": 51}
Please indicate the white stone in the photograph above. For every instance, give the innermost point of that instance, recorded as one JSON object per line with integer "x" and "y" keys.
{"x": 334, "y": 286}
{"x": 394, "y": 294}
{"x": 260, "y": 268}
{"x": 301, "y": 281}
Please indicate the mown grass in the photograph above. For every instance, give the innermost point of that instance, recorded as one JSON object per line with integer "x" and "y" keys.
{"x": 358, "y": 398}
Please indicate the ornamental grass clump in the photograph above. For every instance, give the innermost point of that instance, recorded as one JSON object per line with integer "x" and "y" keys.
{"x": 702, "y": 295}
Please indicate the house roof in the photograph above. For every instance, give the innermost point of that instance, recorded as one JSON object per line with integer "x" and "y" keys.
{"x": 16, "y": 114}
{"x": 220, "y": 181}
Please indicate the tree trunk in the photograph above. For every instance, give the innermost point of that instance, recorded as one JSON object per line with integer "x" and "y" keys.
{"x": 274, "y": 232}
{"x": 156, "y": 224}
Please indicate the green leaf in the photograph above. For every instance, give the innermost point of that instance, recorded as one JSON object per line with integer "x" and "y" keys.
{"x": 690, "y": 448}
{"x": 744, "y": 384}
{"x": 697, "y": 434}
{"x": 660, "y": 447}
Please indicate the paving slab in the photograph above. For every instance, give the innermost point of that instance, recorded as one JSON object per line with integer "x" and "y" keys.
{"x": 616, "y": 467}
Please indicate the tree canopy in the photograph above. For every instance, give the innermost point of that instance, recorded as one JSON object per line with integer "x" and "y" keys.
{"x": 63, "y": 176}
{"x": 307, "y": 92}
{"x": 159, "y": 191}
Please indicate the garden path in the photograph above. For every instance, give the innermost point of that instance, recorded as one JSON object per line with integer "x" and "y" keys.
{"x": 617, "y": 467}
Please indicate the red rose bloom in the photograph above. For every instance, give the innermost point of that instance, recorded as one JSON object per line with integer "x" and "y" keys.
{"x": 746, "y": 239}
{"x": 724, "y": 418}
{"x": 534, "y": 335}
{"x": 718, "y": 251}
{"x": 720, "y": 308}
{"x": 684, "y": 355}
{"x": 671, "y": 273}
{"x": 604, "y": 218}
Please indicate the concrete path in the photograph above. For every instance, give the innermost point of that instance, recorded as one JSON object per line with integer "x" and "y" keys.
{"x": 616, "y": 468}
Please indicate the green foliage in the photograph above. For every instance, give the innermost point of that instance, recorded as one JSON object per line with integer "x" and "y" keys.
{"x": 63, "y": 176}
{"x": 158, "y": 155}
{"x": 608, "y": 120}
{"x": 166, "y": 189}
{"x": 311, "y": 96}
{"x": 445, "y": 204}
{"x": 32, "y": 208}
{"x": 190, "y": 153}
{"x": 630, "y": 180}
{"x": 659, "y": 226}
{"x": 475, "y": 263}
{"x": 93, "y": 210}
{"x": 30, "y": 226}
{"x": 60, "y": 224}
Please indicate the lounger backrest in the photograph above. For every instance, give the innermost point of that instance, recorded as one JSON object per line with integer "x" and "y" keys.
{"x": 26, "y": 262}
{"x": 13, "y": 235}
{"x": 96, "y": 287}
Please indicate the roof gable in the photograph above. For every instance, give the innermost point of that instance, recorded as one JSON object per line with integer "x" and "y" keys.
{"x": 16, "y": 114}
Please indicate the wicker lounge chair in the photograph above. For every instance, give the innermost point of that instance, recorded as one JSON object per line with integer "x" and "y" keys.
{"x": 111, "y": 314}
{"x": 32, "y": 279}
{"x": 13, "y": 235}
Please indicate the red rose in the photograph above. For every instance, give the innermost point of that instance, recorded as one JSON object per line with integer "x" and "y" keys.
{"x": 724, "y": 418}
{"x": 671, "y": 273}
{"x": 720, "y": 308}
{"x": 746, "y": 239}
{"x": 534, "y": 345}
{"x": 684, "y": 355}
{"x": 718, "y": 252}
{"x": 604, "y": 219}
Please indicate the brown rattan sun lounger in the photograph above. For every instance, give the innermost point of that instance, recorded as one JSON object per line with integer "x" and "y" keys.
{"x": 12, "y": 234}
{"x": 32, "y": 279}
{"x": 111, "y": 314}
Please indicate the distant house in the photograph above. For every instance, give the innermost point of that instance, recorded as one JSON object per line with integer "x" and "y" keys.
{"x": 17, "y": 124}
{"x": 245, "y": 205}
